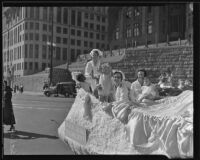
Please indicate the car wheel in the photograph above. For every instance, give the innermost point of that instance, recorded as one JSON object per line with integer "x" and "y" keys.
{"x": 48, "y": 94}
{"x": 66, "y": 94}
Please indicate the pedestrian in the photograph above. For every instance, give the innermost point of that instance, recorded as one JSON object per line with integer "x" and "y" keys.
{"x": 21, "y": 88}
{"x": 15, "y": 87}
{"x": 8, "y": 113}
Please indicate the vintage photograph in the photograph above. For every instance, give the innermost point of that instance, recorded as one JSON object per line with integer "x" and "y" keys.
{"x": 98, "y": 80}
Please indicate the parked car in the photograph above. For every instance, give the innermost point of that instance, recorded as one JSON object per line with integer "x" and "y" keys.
{"x": 64, "y": 88}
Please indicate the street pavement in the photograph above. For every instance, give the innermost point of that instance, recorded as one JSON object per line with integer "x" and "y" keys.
{"x": 37, "y": 121}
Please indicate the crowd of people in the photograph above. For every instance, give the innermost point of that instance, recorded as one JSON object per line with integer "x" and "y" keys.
{"x": 121, "y": 93}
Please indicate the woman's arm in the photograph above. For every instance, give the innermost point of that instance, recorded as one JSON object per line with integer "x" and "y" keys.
{"x": 88, "y": 70}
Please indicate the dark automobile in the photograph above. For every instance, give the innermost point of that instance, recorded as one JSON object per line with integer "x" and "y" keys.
{"x": 64, "y": 88}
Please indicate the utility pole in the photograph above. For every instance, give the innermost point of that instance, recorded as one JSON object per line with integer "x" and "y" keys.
{"x": 51, "y": 62}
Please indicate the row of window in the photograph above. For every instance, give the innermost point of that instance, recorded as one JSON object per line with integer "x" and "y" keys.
{"x": 136, "y": 31}
{"x": 61, "y": 15}
{"x": 45, "y": 38}
{"x": 45, "y": 27}
{"x": 32, "y": 51}
{"x": 136, "y": 12}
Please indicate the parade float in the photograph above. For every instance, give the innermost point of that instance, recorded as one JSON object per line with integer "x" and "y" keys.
{"x": 165, "y": 128}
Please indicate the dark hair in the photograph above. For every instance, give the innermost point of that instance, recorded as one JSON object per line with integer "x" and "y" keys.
{"x": 144, "y": 71}
{"x": 117, "y": 72}
{"x": 80, "y": 77}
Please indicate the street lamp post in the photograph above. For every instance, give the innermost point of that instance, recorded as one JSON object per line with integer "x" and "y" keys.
{"x": 51, "y": 58}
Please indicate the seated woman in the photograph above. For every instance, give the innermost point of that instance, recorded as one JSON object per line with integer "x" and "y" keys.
{"x": 120, "y": 108}
{"x": 149, "y": 92}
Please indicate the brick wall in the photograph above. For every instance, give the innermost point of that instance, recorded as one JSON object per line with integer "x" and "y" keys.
{"x": 155, "y": 60}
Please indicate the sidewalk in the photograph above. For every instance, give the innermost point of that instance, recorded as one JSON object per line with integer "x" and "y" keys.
{"x": 30, "y": 93}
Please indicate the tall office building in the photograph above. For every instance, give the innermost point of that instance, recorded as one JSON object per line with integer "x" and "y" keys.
{"x": 144, "y": 25}
{"x": 27, "y": 35}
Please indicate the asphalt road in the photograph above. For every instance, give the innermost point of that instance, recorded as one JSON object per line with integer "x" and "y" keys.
{"x": 37, "y": 120}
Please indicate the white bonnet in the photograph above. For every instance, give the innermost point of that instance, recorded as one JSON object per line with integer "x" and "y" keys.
{"x": 123, "y": 75}
{"x": 96, "y": 50}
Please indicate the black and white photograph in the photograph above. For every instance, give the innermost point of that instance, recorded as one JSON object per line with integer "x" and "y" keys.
{"x": 98, "y": 79}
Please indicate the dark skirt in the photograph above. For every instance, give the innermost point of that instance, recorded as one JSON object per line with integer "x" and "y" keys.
{"x": 8, "y": 114}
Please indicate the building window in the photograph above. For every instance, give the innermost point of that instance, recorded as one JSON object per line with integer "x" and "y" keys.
{"x": 37, "y": 12}
{"x": 103, "y": 37}
{"x": 78, "y": 52}
{"x": 50, "y": 28}
{"x": 85, "y": 44}
{"x": 32, "y": 12}
{"x": 149, "y": 9}
{"x": 104, "y": 19}
{"x": 44, "y": 27}
{"x": 26, "y": 25}
{"x": 91, "y": 26}
{"x": 91, "y": 44}
{"x": 72, "y": 42}
{"x": 43, "y": 66}
{"x": 85, "y": 34}
{"x": 73, "y": 55}
{"x": 78, "y": 42}
{"x": 36, "y": 51}
{"x": 31, "y": 51}
{"x": 103, "y": 28}
{"x": 98, "y": 18}
{"x": 136, "y": 12}
{"x": 36, "y": 66}
{"x": 86, "y": 24}
{"x": 59, "y": 11}
{"x": 91, "y": 16}
{"x": 79, "y": 19}
{"x": 97, "y": 36}
{"x": 86, "y": 15}
{"x": 26, "y": 51}
{"x": 64, "y": 40}
{"x": 37, "y": 36}
{"x": 98, "y": 27}
{"x": 73, "y": 32}
{"x": 31, "y": 65}
{"x": 25, "y": 65}
{"x": 58, "y": 40}
{"x": 58, "y": 29}
{"x": 79, "y": 33}
{"x": 129, "y": 14}
{"x": 73, "y": 17}
{"x": 65, "y": 16}
{"x": 91, "y": 35}
{"x": 37, "y": 26}
{"x": 31, "y": 36}
{"x": 64, "y": 53}
{"x": 136, "y": 30}
{"x": 44, "y": 38}
{"x": 45, "y": 13}
{"x": 31, "y": 25}
{"x": 103, "y": 46}
{"x": 44, "y": 52}
{"x": 57, "y": 53}
{"x": 149, "y": 29}
{"x": 128, "y": 32}
{"x": 65, "y": 30}
{"x": 97, "y": 45}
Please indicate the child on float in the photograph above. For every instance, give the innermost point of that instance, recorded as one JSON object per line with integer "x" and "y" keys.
{"x": 81, "y": 83}
{"x": 149, "y": 92}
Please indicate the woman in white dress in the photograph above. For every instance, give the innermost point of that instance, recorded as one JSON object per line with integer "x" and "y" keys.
{"x": 91, "y": 69}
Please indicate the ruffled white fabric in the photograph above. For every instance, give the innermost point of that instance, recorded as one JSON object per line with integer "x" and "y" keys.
{"x": 165, "y": 128}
